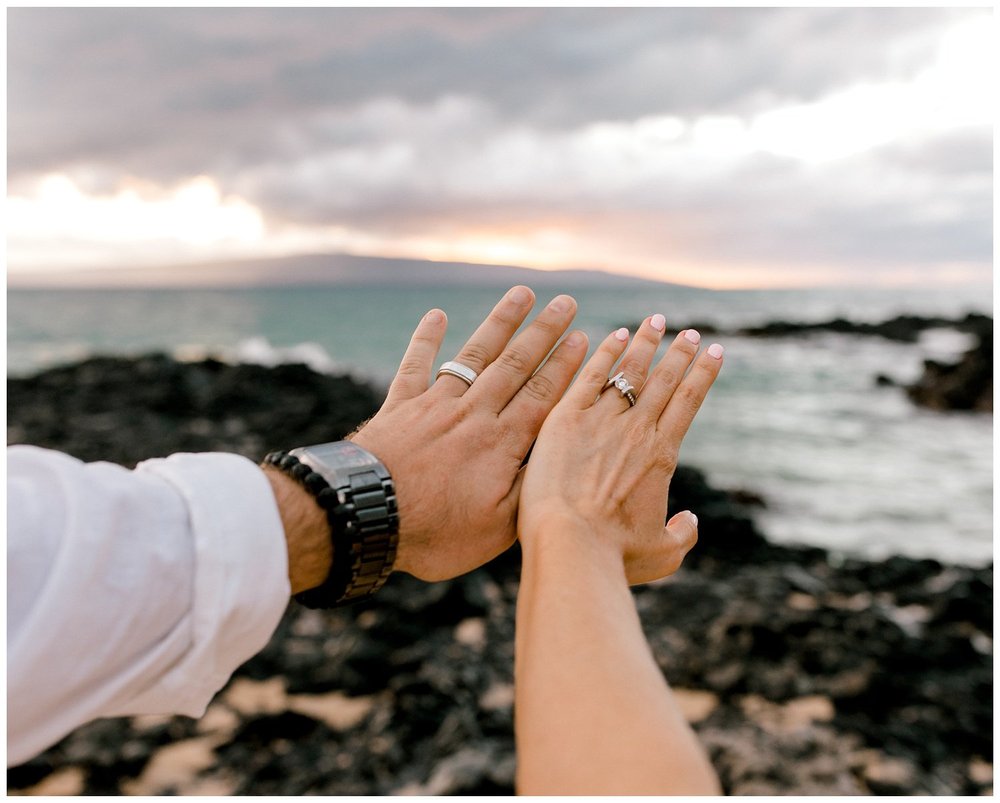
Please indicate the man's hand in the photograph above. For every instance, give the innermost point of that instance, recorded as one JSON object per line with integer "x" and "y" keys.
{"x": 455, "y": 452}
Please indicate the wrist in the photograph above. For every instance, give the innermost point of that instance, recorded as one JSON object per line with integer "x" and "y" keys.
{"x": 356, "y": 493}
{"x": 307, "y": 531}
{"x": 566, "y": 538}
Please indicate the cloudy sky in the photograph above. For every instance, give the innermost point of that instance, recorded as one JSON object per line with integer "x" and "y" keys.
{"x": 717, "y": 147}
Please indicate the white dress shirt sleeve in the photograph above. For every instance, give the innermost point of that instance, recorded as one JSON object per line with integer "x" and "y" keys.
{"x": 133, "y": 592}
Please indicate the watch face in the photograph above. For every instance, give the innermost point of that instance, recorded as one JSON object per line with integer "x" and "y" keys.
{"x": 339, "y": 455}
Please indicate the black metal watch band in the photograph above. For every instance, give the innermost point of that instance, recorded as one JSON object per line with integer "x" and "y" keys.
{"x": 360, "y": 503}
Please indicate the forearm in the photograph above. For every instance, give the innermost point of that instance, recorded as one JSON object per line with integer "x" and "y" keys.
{"x": 307, "y": 532}
{"x": 593, "y": 712}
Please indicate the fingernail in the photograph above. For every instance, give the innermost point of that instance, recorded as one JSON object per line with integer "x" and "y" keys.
{"x": 692, "y": 336}
{"x": 574, "y": 339}
{"x": 434, "y": 316}
{"x": 694, "y": 518}
{"x": 519, "y": 295}
{"x": 715, "y": 350}
{"x": 560, "y": 303}
{"x": 658, "y": 322}
{"x": 622, "y": 334}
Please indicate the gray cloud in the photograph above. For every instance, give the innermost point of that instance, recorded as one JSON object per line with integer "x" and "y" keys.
{"x": 169, "y": 89}
{"x": 399, "y": 119}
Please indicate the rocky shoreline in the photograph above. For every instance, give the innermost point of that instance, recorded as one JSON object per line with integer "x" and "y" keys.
{"x": 902, "y": 328}
{"x": 965, "y": 385}
{"x": 801, "y": 673}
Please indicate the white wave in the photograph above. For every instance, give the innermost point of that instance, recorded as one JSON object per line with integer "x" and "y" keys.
{"x": 259, "y": 351}
{"x": 945, "y": 345}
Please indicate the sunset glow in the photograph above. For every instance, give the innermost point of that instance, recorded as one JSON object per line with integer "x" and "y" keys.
{"x": 58, "y": 225}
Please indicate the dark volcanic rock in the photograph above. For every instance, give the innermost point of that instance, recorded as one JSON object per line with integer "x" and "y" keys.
{"x": 966, "y": 385}
{"x": 127, "y": 410}
{"x": 801, "y": 675}
{"x": 902, "y": 328}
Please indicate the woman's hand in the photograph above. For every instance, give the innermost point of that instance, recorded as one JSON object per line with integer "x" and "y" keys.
{"x": 593, "y": 713}
{"x": 454, "y": 451}
{"x": 600, "y": 471}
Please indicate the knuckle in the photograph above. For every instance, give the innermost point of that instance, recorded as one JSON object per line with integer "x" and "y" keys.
{"x": 668, "y": 377}
{"x": 594, "y": 376}
{"x": 411, "y": 367}
{"x": 540, "y": 388}
{"x": 632, "y": 368}
{"x": 423, "y": 338}
{"x": 547, "y": 326}
{"x": 475, "y": 355}
{"x": 516, "y": 360}
{"x": 503, "y": 316}
{"x": 707, "y": 369}
{"x": 689, "y": 397}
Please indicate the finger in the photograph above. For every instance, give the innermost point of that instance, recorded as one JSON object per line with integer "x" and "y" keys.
{"x": 506, "y": 375}
{"x": 414, "y": 372}
{"x": 490, "y": 338}
{"x": 594, "y": 375}
{"x": 533, "y": 402}
{"x": 635, "y": 363}
{"x": 667, "y": 375}
{"x": 685, "y": 402}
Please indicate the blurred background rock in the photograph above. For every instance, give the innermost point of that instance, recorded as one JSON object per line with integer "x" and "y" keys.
{"x": 802, "y": 673}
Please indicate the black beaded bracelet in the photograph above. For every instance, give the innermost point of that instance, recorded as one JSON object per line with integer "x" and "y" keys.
{"x": 339, "y": 579}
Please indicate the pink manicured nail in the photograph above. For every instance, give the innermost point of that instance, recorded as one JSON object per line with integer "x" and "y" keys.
{"x": 574, "y": 339}
{"x": 715, "y": 350}
{"x": 658, "y": 322}
{"x": 434, "y": 316}
{"x": 694, "y": 518}
{"x": 692, "y": 336}
{"x": 622, "y": 334}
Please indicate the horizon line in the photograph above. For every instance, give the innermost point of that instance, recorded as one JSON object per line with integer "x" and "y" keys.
{"x": 157, "y": 276}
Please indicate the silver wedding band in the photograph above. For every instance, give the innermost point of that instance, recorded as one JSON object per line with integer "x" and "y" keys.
{"x": 463, "y": 372}
{"x": 621, "y": 384}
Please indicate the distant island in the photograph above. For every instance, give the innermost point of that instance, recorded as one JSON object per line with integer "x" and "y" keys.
{"x": 323, "y": 269}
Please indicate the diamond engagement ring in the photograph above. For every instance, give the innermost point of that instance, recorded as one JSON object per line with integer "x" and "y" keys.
{"x": 463, "y": 372}
{"x": 621, "y": 384}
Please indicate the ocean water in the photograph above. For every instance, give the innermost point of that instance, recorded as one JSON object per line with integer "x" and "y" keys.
{"x": 842, "y": 463}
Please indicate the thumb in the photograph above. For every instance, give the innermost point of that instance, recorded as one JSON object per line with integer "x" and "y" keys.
{"x": 682, "y": 530}
{"x": 679, "y": 536}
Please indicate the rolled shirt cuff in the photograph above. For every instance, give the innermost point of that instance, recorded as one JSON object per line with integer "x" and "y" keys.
{"x": 241, "y": 586}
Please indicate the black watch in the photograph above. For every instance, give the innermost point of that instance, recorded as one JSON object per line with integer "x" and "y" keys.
{"x": 357, "y": 493}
